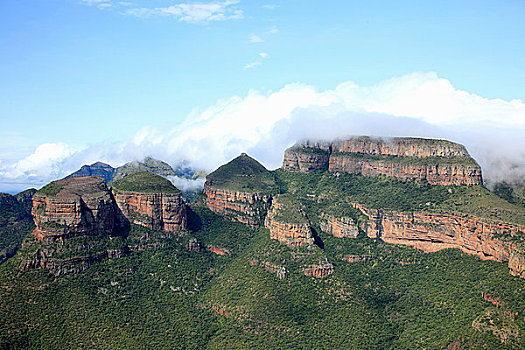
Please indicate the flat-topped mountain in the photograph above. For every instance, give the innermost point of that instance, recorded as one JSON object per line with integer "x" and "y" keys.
{"x": 438, "y": 162}
{"x": 151, "y": 201}
{"x": 270, "y": 259}
{"x": 241, "y": 190}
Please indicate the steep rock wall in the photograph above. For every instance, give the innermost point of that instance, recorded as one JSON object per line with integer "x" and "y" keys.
{"x": 438, "y": 162}
{"x": 247, "y": 208}
{"x": 158, "y": 211}
{"x": 434, "y": 174}
{"x": 432, "y": 232}
{"x": 401, "y": 147}
{"x": 84, "y": 207}
{"x": 293, "y": 232}
{"x": 77, "y": 224}
{"x": 338, "y": 227}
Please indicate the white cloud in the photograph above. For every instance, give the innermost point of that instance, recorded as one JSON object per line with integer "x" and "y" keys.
{"x": 255, "y": 39}
{"x": 273, "y": 30}
{"x": 265, "y": 124}
{"x": 251, "y": 65}
{"x": 263, "y": 55}
{"x": 184, "y": 184}
{"x": 194, "y": 12}
{"x": 43, "y": 162}
{"x": 270, "y": 6}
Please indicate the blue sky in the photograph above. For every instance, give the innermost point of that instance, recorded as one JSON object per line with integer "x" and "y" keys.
{"x": 85, "y": 72}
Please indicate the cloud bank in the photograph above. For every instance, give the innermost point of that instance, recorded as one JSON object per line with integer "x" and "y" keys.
{"x": 265, "y": 124}
{"x": 192, "y": 12}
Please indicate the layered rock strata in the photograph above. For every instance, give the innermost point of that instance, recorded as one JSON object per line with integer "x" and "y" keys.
{"x": 341, "y": 227}
{"x": 157, "y": 211}
{"x": 77, "y": 224}
{"x": 488, "y": 239}
{"x": 288, "y": 223}
{"x": 244, "y": 207}
{"x": 322, "y": 270}
{"x": 241, "y": 191}
{"x": 151, "y": 201}
{"x": 437, "y": 162}
{"x": 80, "y": 206}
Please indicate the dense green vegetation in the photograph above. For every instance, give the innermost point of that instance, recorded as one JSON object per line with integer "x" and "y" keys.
{"x": 167, "y": 297}
{"x": 51, "y": 189}
{"x": 160, "y": 295}
{"x": 15, "y": 224}
{"x": 336, "y": 191}
{"x": 290, "y": 210}
{"x": 514, "y": 194}
{"x": 243, "y": 174}
{"x": 145, "y": 182}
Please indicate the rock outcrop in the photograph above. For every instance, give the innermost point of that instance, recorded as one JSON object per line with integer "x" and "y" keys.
{"x": 488, "y": 239}
{"x": 77, "y": 223}
{"x": 437, "y": 162}
{"x": 240, "y": 191}
{"x": 80, "y": 206}
{"x": 151, "y": 201}
{"x": 338, "y": 226}
{"x": 288, "y": 222}
{"x": 321, "y": 270}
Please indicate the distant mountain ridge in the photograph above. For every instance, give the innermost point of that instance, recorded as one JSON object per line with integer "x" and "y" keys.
{"x": 111, "y": 174}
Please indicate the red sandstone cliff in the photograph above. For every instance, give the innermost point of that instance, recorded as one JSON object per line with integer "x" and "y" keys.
{"x": 77, "y": 223}
{"x": 338, "y": 227}
{"x": 432, "y": 232}
{"x": 322, "y": 270}
{"x": 434, "y": 174}
{"x": 288, "y": 223}
{"x": 247, "y": 208}
{"x": 438, "y": 162}
{"x": 158, "y": 211}
{"x": 81, "y": 206}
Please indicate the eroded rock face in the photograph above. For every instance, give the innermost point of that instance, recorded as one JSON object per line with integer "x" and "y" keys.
{"x": 244, "y": 207}
{"x": 401, "y": 147}
{"x": 82, "y": 206}
{"x": 158, "y": 211}
{"x": 319, "y": 271}
{"x": 288, "y": 223}
{"x": 77, "y": 224}
{"x": 434, "y": 174}
{"x": 432, "y": 232}
{"x": 437, "y": 162}
{"x": 338, "y": 227}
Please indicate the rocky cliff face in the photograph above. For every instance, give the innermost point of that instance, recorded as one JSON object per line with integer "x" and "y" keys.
{"x": 438, "y": 162}
{"x": 77, "y": 223}
{"x": 435, "y": 174}
{"x": 400, "y": 147}
{"x": 244, "y": 207}
{"x": 157, "y": 211}
{"x": 288, "y": 223}
{"x": 488, "y": 239}
{"x": 241, "y": 191}
{"x": 321, "y": 270}
{"x": 338, "y": 227}
{"x": 81, "y": 206}
{"x": 151, "y": 201}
